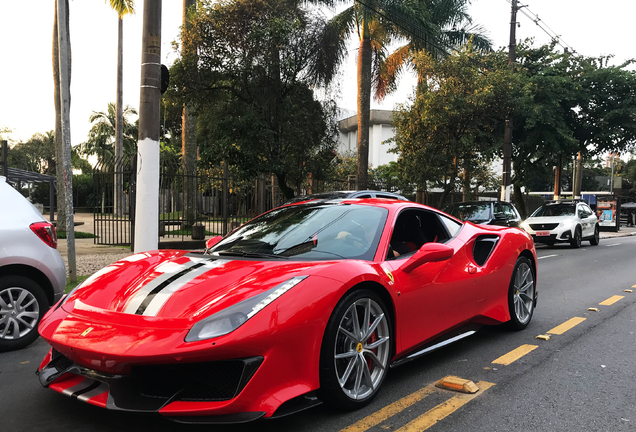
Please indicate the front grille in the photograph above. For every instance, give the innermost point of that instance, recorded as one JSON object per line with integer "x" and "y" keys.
{"x": 544, "y": 227}
{"x": 208, "y": 381}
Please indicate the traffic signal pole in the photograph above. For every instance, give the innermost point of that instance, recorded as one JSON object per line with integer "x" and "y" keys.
{"x": 507, "y": 147}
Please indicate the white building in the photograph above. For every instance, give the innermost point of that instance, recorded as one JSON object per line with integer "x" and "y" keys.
{"x": 380, "y": 130}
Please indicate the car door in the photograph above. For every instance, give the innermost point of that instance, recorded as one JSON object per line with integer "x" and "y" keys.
{"x": 434, "y": 296}
{"x": 582, "y": 216}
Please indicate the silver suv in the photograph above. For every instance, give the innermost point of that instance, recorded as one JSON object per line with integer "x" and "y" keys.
{"x": 32, "y": 272}
{"x": 565, "y": 221}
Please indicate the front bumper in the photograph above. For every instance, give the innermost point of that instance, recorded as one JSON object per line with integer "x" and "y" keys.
{"x": 554, "y": 236}
{"x": 150, "y": 388}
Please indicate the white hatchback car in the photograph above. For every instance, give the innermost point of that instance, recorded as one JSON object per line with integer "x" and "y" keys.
{"x": 32, "y": 272}
{"x": 565, "y": 221}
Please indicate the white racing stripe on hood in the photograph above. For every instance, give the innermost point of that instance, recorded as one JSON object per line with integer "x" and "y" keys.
{"x": 169, "y": 269}
{"x": 162, "y": 297}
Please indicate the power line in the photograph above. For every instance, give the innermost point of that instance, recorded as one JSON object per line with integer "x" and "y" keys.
{"x": 543, "y": 26}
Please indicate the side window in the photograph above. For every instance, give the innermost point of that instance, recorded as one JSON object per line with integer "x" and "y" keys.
{"x": 413, "y": 228}
{"x": 384, "y": 196}
{"x": 452, "y": 226}
{"x": 363, "y": 196}
{"x": 498, "y": 209}
{"x": 510, "y": 212}
{"x": 588, "y": 210}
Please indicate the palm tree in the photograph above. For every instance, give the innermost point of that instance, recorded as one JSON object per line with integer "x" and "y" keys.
{"x": 59, "y": 144}
{"x": 188, "y": 137}
{"x": 122, "y": 7}
{"x": 426, "y": 24}
{"x": 453, "y": 28}
{"x": 101, "y": 137}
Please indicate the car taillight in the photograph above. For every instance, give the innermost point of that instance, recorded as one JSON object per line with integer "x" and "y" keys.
{"x": 46, "y": 232}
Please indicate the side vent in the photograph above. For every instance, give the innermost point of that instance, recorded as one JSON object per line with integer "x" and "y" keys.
{"x": 484, "y": 245}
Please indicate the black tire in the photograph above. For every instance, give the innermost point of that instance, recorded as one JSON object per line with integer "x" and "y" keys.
{"x": 522, "y": 288}
{"x": 575, "y": 241}
{"x": 596, "y": 238}
{"x": 335, "y": 342}
{"x": 19, "y": 325}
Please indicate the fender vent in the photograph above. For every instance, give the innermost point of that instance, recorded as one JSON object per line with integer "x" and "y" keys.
{"x": 484, "y": 245}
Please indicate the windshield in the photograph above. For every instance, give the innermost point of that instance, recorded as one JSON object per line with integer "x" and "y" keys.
{"x": 555, "y": 210}
{"x": 309, "y": 232}
{"x": 471, "y": 212}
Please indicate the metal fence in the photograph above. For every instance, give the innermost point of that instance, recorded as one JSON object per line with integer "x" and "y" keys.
{"x": 193, "y": 207}
{"x": 114, "y": 193}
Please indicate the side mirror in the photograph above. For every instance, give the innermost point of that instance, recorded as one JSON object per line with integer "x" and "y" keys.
{"x": 500, "y": 217}
{"x": 429, "y": 252}
{"x": 212, "y": 241}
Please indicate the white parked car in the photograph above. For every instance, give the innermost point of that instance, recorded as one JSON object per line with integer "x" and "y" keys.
{"x": 32, "y": 272}
{"x": 565, "y": 221}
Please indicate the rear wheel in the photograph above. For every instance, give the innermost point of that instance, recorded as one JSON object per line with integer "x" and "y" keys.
{"x": 355, "y": 353}
{"x": 575, "y": 241}
{"x": 521, "y": 294}
{"x": 22, "y": 305}
{"x": 594, "y": 240}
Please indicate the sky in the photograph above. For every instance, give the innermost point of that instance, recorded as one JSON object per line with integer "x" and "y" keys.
{"x": 590, "y": 27}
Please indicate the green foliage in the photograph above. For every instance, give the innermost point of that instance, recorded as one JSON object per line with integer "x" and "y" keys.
{"x": 35, "y": 155}
{"x": 101, "y": 137}
{"x": 251, "y": 85}
{"x": 455, "y": 125}
{"x": 578, "y": 104}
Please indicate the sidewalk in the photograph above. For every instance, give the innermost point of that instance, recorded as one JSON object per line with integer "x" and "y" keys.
{"x": 623, "y": 232}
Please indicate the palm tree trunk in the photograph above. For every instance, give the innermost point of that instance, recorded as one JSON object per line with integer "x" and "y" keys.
{"x": 119, "y": 123}
{"x": 364, "y": 104}
{"x": 59, "y": 143}
{"x": 188, "y": 145}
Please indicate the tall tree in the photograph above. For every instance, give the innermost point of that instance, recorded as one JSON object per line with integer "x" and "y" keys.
{"x": 459, "y": 107}
{"x": 189, "y": 129}
{"x": 427, "y": 24}
{"x": 123, "y": 8}
{"x": 256, "y": 61}
{"x": 59, "y": 144}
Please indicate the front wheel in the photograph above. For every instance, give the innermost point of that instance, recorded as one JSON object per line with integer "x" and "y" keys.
{"x": 594, "y": 240}
{"x": 356, "y": 350}
{"x": 22, "y": 305}
{"x": 521, "y": 294}
{"x": 575, "y": 241}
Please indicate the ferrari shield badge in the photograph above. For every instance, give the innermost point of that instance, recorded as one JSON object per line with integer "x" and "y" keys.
{"x": 87, "y": 331}
{"x": 389, "y": 274}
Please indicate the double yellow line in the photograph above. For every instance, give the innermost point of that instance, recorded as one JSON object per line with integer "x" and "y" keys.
{"x": 426, "y": 420}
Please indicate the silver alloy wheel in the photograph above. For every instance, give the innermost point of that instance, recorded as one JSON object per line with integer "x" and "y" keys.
{"x": 523, "y": 293}
{"x": 19, "y": 313}
{"x": 362, "y": 349}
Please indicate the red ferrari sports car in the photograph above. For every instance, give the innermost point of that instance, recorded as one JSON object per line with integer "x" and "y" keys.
{"x": 306, "y": 303}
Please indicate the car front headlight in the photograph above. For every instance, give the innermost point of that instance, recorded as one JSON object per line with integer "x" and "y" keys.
{"x": 525, "y": 226}
{"x": 228, "y": 320}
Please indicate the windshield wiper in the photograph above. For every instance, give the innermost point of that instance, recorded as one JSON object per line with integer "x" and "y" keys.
{"x": 245, "y": 254}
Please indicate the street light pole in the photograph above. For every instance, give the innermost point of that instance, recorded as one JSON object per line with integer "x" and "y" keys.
{"x": 147, "y": 191}
{"x": 507, "y": 147}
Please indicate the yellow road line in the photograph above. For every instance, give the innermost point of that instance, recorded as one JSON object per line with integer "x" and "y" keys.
{"x": 443, "y": 410}
{"x": 633, "y": 286}
{"x": 390, "y": 410}
{"x": 515, "y": 354}
{"x": 611, "y": 300}
{"x": 560, "y": 329}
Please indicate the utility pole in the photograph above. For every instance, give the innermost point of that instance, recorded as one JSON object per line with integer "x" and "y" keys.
{"x": 147, "y": 200}
{"x": 65, "y": 103}
{"x": 507, "y": 147}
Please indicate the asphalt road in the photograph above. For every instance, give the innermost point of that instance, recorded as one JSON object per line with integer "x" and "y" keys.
{"x": 581, "y": 380}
